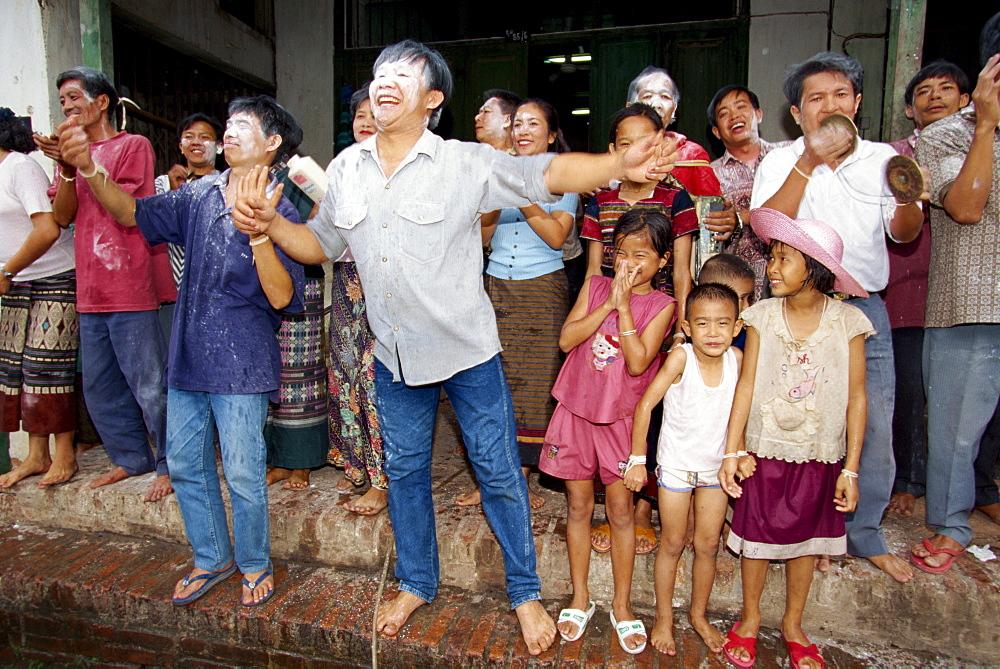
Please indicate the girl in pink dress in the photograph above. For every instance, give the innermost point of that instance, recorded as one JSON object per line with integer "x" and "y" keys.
{"x": 613, "y": 336}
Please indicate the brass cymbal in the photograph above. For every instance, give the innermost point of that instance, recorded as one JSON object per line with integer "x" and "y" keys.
{"x": 841, "y": 121}
{"x": 904, "y": 178}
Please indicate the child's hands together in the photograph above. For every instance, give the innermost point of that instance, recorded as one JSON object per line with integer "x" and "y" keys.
{"x": 727, "y": 478}
{"x": 621, "y": 285}
{"x": 747, "y": 465}
{"x": 846, "y": 496}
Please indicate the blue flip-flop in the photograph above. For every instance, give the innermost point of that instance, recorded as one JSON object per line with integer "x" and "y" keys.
{"x": 211, "y": 579}
{"x": 253, "y": 584}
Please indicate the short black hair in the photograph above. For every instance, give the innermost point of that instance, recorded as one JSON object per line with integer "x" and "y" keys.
{"x": 15, "y": 132}
{"x": 652, "y": 221}
{"x": 989, "y": 39}
{"x": 818, "y": 274}
{"x": 198, "y": 117}
{"x": 722, "y": 93}
{"x": 560, "y": 145}
{"x": 712, "y": 292}
{"x": 725, "y": 266}
{"x": 274, "y": 120}
{"x": 357, "y": 97}
{"x": 939, "y": 69}
{"x": 634, "y": 109}
{"x": 437, "y": 76}
{"x": 509, "y": 102}
{"x": 94, "y": 83}
{"x": 824, "y": 61}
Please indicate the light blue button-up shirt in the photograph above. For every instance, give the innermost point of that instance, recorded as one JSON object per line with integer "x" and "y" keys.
{"x": 518, "y": 252}
{"x": 416, "y": 240}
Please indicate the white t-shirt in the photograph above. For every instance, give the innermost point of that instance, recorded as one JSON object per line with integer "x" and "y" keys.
{"x": 696, "y": 417}
{"x": 22, "y": 193}
{"x": 854, "y": 200}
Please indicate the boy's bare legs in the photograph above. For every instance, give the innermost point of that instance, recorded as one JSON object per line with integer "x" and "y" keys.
{"x": 580, "y": 500}
{"x": 618, "y": 502}
{"x": 673, "y": 531}
{"x": 798, "y": 580}
{"x": 753, "y": 574}
{"x": 709, "y": 514}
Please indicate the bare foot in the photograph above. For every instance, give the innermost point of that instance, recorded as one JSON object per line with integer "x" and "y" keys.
{"x": 992, "y": 511}
{"x": 662, "y": 635}
{"x": 823, "y": 563}
{"x": 261, "y": 589}
{"x": 275, "y": 474}
{"x": 161, "y": 488}
{"x": 299, "y": 480}
{"x": 711, "y": 636}
{"x": 902, "y": 503}
{"x": 600, "y": 538}
{"x": 537, "y": 626}
{"x": 893, "y": 566}
{"x": 61, "y": 470}
{"x": 107, "y": 478}
{"x": 370, "y": 503}
{"x": 471, "y": 498}
{"x": 14, "y": 462}
{"x": 345, "y": 484}
{"x": 30, "y": 467}
{"x": 535, "y": 500}
{"x": 393, "y": 613}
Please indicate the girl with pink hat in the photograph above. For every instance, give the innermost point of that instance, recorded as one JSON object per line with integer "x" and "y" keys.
{"x": 800, "y": 408}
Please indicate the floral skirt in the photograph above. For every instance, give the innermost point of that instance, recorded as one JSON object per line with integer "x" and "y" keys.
{"x": 355, "y": 434}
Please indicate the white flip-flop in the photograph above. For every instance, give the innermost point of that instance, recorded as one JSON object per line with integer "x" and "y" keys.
{"x": 627, "y": 628}
{"x": 580, "y": 618}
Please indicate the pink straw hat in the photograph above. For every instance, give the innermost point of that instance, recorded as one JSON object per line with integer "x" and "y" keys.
{"x": 811, "y": 237}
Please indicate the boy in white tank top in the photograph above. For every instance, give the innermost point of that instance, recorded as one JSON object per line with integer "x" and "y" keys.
{"x": 696, "y": 383}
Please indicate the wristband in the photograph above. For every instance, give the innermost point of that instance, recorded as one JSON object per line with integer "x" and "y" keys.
{"x": 730, "y": 455}
{"x": 626, "y": 333}
{"x": 66, "y": 178}
{"x": 98, "y": 169}
{"x": 260, "y": 240}
{"x": 849, "y": 474}
{"x": 679, "y": 334}
{"x": 741, "y": 453}
{"x": 634, "y": 460}
{"x": 801, "y": 173}
{"x": 8, "y": 275}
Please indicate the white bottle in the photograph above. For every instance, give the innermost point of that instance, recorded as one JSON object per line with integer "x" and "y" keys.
{"x": 308, "y": 176}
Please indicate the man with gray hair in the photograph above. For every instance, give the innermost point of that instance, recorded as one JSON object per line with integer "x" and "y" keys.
{"x": 825, "y": 175}
{"x": 418, "y": 247}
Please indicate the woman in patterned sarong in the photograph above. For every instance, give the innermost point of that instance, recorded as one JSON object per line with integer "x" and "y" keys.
{"x": 38, "y": 326}
{"x": 355, "y": 434}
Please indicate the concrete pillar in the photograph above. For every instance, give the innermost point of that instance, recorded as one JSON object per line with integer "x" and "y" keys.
{"x": 95, "y": 36}
{"x": 303, "y": 63}
{"x": 905, "y": 49}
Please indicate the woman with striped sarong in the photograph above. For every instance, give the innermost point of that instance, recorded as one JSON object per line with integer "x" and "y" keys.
{"x": 527, "y": 285}
{"x": 39, "y": 336}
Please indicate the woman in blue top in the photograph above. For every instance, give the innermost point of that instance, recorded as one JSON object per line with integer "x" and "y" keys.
{"x": 527, "y": 285}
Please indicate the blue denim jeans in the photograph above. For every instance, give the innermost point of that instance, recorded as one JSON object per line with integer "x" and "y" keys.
{"x": 485, "y": 414}
{"x": 878, "y": 467}
{"x": 962, "y": 372}
{"x": 124, "y": 357}
{"x": 195, "y": 476}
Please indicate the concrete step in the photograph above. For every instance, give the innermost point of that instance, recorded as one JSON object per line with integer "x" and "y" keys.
{"x": 853, "y": 602}
{"x": 70, "y": 598}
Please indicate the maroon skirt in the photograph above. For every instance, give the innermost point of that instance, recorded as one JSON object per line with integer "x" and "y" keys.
{"x": 787, "y": 511}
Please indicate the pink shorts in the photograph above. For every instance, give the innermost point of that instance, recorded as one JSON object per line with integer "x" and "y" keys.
{"x": 576, "y": 449}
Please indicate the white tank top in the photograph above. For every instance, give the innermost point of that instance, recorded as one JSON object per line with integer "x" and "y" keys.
{"x": 696, "y": 417}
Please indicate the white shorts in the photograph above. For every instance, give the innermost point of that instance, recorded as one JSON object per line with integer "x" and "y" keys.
{"x": 680, "y": 480}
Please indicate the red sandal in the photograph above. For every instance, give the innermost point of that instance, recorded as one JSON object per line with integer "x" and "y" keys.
{"x": 748, "y": 643}
{"x": 798, "y": 652}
